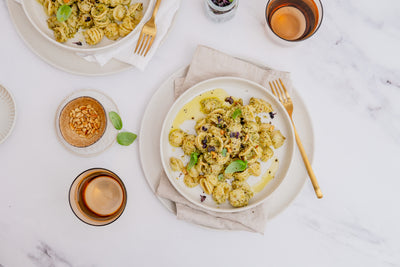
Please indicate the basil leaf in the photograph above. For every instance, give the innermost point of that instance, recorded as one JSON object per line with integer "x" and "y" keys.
{"x": 224, "y": 152}
{"x": 115, "y": 120}
{"x": 236, "y": 113}
{"x": 221, "y": 177}
{"x": 63, "y": 13}
{"x": 193, "y": 160}
{"x": 236, "y": 166}
{"x": 126, "y": 138}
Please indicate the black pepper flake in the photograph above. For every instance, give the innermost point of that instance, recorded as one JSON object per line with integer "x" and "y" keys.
{"x": 242, "y": 146}
{"x": 204, "y": 141}
{"x": 229, "y": 100}
{"x": 242, "y": 121}
{"x": 88, "y": 19}
{"x": 204, "y": 146}
{"x": 192, "y": 118}
{"x": 78, "y": 43}
{"x": 204, "y": 128}
{"x": 202, "y": 198}
{"x": 211, "y": 148}
{"x": 272, "y": 115}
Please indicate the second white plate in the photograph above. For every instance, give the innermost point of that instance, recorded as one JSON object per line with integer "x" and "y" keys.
{"x": 150, "y": 158}
{"x": 237, "y": 88}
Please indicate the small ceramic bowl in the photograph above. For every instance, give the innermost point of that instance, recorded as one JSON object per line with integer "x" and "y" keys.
{"x": 67, "y": 130}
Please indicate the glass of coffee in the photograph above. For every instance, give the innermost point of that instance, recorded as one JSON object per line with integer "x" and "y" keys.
{"x": 97, "y": 196}
{"x": 291, "y": 21}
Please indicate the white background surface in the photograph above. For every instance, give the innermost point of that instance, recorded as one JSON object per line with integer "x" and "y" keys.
{"x": 349, "y": 76}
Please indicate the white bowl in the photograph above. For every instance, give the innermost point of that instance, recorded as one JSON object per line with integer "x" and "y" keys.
{"x": 38, "y": 18}
{"x": 239, "y": 88}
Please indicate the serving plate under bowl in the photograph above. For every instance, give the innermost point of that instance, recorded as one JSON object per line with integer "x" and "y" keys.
{"x": 38, "y": 18}
{"x": 239, "y": 88}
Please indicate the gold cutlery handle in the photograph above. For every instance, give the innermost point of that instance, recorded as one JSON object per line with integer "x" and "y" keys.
{"x": 157, "y": 5}
{"x": 307, "y": 163}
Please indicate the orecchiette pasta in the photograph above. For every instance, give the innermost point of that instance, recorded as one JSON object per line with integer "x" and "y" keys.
{"x": 127, "y": 25}
{"x": 116, "y": 18}
{"x": 221, "y": 192}
{"x": 176, "y": 164}
{"x": 111, "y": 31}
{"x": 93, "y": 35}
{"x": 119, "y": 12}
{"x": 176, "y": 137}
{"x": 228, "y": 132}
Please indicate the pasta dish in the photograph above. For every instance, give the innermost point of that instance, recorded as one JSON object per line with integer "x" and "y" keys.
{"x": 95, "y": 18}
{"x": 230, "y": 142}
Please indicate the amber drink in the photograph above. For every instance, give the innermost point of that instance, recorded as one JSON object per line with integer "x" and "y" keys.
{"x": 293, "y": 20}
{"x": 97, "y": 196}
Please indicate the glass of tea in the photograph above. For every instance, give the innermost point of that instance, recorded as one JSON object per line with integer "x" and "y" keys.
{"x": 291, "y": 21}
{"x": 97, "y": 196}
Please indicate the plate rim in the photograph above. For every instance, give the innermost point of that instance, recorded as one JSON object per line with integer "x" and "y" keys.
{"x": 14, "y": 106}
{"x": 189, "y": 92}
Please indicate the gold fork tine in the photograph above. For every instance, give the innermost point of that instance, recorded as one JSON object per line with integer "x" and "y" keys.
{"x": 284, "y": 88}
{"x": 139, "y": 42}
{"x": 148, "y": 33}
{"x": 143, "y": 45}
{"x": 148, "y": 47}
{"x": 273, "y": 90}
{"x": 279, "y": 90}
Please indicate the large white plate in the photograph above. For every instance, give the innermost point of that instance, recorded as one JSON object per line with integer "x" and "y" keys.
{"x": 7, "y": 113}
{"x": 150, "y": 157}
{"x": 238, "y": 88}
{"x": 38, "y": 18}
{"x": 56, "y": 56}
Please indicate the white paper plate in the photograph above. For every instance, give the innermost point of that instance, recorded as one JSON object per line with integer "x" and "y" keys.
{"x": 238, "y": 88}
{"x": 110, "y": 135}
{"x": 38, "y": 18}
{"x": 150, "y": 157}
{"x": 7, "y": 114}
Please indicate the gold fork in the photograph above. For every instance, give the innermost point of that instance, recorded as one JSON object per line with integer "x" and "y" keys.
{"x": 279, "y": 90}
{"x": 148, "y": 33}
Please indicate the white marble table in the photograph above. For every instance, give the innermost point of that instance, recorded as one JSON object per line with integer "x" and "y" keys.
{"x": 349, "y": 76}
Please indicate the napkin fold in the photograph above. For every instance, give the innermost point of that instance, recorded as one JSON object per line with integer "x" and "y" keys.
{"x": 208, "y": 63}
{"x": 125, "y": 52}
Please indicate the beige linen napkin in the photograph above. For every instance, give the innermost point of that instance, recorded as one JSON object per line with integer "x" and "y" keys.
{"x": 208, "y": 63}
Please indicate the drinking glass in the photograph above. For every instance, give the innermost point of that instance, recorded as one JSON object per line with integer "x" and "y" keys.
{"x": 292, "y": 21}
{"x": 97, "y": 196}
